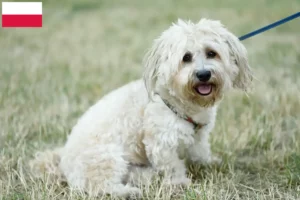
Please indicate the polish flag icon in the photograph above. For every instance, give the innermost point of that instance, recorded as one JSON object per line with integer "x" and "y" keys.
{"x": 22, "y": 14}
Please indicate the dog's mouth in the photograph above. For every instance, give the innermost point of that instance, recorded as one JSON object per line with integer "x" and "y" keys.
{"x": 204, "y": 89}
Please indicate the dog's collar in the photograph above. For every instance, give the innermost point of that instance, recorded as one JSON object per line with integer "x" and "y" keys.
{"x": 196, "y": 125}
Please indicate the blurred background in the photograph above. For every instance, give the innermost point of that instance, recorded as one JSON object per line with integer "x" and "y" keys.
{"x": 51, "y": 75}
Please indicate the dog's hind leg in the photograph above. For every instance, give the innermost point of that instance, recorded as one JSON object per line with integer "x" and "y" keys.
{"x": 98, "y": 169}
{"x": 46, "y": 165}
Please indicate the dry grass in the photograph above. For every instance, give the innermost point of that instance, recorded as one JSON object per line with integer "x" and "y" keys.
{"x": 50, "y": 76}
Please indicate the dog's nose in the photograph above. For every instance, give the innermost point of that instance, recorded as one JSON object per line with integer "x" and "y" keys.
{"x": 203, "y": 75}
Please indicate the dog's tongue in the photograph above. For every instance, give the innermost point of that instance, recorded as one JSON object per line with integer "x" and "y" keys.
{"x": 204, "y": 89}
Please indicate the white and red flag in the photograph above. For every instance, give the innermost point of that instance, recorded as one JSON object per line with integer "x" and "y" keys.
{"x": 22, "y": 14}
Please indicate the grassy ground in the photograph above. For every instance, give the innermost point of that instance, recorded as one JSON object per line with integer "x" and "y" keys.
{"x": 50, "y": 76}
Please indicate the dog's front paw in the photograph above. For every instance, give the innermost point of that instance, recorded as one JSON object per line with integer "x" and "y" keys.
{"x": 181, "y": 181}
{"x": 184, "y": 181}
{"x": 215, "y": 160}
{"x": 212, "y": 160}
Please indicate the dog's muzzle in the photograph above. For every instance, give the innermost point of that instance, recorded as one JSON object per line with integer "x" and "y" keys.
{"x": 203, "y": 87}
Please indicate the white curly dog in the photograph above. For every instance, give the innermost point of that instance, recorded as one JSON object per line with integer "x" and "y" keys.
{"x": 154, "y": 124}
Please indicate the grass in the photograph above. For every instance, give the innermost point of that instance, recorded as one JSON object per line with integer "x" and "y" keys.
{"x": 50, "y": 76}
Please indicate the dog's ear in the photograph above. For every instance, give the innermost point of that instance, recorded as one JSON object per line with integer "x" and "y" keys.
{"x": 162, "y": 59}
{"x": 239, "y": 53}
{"x": 151, "y": 63}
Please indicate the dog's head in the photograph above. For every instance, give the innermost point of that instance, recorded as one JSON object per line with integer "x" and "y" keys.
{"x": 197, "y": 63}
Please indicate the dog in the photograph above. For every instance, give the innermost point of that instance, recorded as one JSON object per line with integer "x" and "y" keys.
{"x": 155, "y": 124}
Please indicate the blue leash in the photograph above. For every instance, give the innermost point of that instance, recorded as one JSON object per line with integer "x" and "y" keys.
{"x": 273, "y": 25}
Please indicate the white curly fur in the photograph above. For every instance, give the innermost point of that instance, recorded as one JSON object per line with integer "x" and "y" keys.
{"x": 131, "y": 132}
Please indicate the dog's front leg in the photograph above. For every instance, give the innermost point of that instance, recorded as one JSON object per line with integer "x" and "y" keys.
{"x": 162, "y": 134}
{"x": 164, "y": 159}
{"x": 200, "y": 151}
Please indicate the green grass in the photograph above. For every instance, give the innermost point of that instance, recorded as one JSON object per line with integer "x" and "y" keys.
{"x": 50, "y": 76}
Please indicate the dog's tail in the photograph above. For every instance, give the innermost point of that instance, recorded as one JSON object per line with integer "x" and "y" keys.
{"x": 45, "y": 165}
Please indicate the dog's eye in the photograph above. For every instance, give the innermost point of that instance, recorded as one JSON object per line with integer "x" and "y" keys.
{"x": 187, "y": 57}
{"x": 211, "y": 54}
